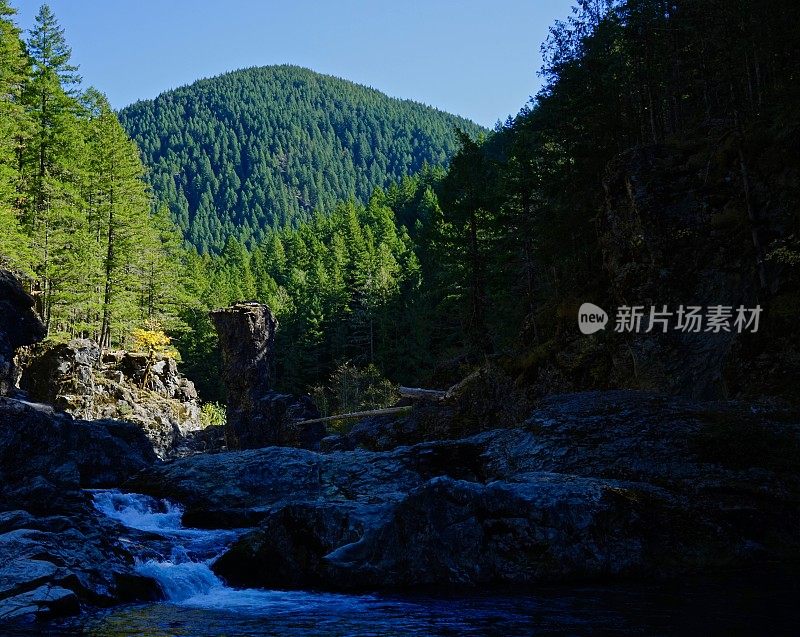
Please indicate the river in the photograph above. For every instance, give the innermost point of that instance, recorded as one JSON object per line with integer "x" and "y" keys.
{"x": 199, "y": 604}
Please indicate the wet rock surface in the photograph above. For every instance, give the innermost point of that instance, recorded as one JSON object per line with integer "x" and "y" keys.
{"x": 56, "y": 552}
{"x": 257, "y": 415}
{"x": 594, "y": 484}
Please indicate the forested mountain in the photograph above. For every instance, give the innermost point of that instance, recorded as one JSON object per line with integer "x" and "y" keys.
{"x": 262, "y": 148}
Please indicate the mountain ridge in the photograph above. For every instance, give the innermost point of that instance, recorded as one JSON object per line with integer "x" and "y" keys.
{"x": 300, "y": 67}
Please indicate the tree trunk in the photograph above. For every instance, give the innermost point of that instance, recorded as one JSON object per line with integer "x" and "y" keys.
{"x": 105, "y": 330}
{"x": 478, "y": 327}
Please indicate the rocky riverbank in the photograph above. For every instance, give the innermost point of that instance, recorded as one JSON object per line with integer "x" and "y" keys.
{"x": 597, "y": 484}
{"x": 79, "y": 378}
{"x": 587, "y": 486}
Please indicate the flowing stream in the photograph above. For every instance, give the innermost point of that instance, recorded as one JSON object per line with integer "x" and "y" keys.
{"x": 180, "y": 558}
{"x": 199, "y": 604}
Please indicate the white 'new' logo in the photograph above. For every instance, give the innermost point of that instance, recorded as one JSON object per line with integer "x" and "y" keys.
{"x": 591, "y": 318}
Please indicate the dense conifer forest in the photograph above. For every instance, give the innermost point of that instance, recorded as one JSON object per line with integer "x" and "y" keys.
{"x": 262, "y": 148}
{"x": 294, "y": 189}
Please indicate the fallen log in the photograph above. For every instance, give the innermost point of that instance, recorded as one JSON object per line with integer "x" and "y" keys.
{"x": 358, "y": 414}
{"x": 424, "y": 394}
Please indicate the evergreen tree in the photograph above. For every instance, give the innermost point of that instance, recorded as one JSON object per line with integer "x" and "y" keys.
{"x": 49, "y": 175}
{"x": 123, "y": 226}
{"x": 15, "y": 128}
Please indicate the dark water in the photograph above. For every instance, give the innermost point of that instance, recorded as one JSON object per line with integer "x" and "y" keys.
{"x": 200, "y": 605}
{"x": 739, "y": 607}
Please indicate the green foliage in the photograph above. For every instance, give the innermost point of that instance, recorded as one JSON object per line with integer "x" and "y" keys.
{"x": 517, "y": 236}
{"x": 75, "y": 210}
{"x": 342, "y": 286}
{"x": 262, "y": 148}
{"x": 15, "y": 126}
{"x": 212, "y": 415}
{"x": 351, "y": 389}
{"x": 358, "y": 389}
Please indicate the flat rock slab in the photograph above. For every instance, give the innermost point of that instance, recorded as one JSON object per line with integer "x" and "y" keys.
{"x": 24, "y": 573}
{"x": 41, "y": 602}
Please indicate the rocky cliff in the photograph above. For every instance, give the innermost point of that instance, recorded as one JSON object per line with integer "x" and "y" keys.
{"x": 19, "y": 326}
{"x": 709, "y": 220}
{"x": 706, "y": 223}
{"x": 76, "y": 377}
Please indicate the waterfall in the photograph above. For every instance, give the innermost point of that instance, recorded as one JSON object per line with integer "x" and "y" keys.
{"x": 184, "y": 573}
{"x": 182, "y": 567}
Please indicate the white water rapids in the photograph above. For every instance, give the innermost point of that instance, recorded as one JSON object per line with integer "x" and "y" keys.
{"x": 180, "y": 559}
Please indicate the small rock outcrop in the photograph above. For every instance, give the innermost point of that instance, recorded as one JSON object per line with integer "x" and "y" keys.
{"x": 19, "y": 325}
{"x": 258, "y": 416}
{"x": 78, "y": 378}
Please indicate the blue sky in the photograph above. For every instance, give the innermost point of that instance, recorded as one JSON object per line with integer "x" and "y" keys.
{"x": 476, "y": 58}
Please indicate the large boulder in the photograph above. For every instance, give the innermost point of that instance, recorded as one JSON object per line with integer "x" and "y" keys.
{"x": 19, "y": 325}
{"x": 62, "y": 375}
{"x": 35, "y": 441}
{"x": 594, "y": 484}
{"x": 257, "y": 415}
{"x": 540, "y": 528}
{"x": 234, "y": 488}
{"x": 78, "y": 378}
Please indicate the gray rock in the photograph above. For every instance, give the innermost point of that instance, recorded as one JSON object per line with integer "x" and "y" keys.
{"x": 289, "y": 549}
{"x": 34, "y": 443}
{"x": 75, "y": 378}
{"x": 545, "y": 527}
{"x": 23, "y": 573}
{"x": 43, "y": 602}
{"x": 63, "y": 376}
{"x": 594, "y": 485}
{"x": 56, "y": 550}
{"x": 224, "y": 489}
{"x": 257, "y": 415}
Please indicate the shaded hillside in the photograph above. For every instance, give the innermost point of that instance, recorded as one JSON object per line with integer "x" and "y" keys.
{"x": 262, "y": 147}
{"x": 657, "y": 168}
